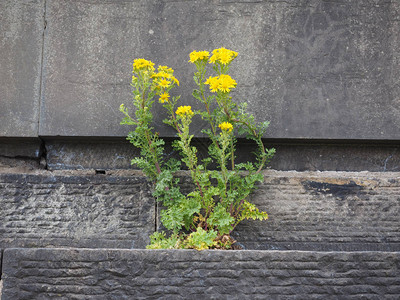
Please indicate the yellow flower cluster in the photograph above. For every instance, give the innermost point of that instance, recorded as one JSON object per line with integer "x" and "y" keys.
{"x": 226, "y": 126}
{"x": 164, "y": 77}
{"x": 223, "y": 83}
{"x": 165, "y": 69}
{"x": 184, "y": 111}
{"x": 223, "y": 55}
{"x": 142, "y": 64}
{"x": 199, "y": 55}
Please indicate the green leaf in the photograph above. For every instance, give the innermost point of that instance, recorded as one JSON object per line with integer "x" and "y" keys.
{"x": 221, "y": 219}
{"x": 172, "y": 218}
{"x": 190, "y": 207}
{"x": 201, "y": 239}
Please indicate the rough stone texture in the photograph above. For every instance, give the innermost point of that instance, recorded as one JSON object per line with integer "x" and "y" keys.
{"x": 184, "y": 274}
{"x": 21, "y": 42}
{"x": 315, "y": 69}
{"x": 117, "y": 153}
{"x": 45, "y": 209}
{"x": 326, "y": 211}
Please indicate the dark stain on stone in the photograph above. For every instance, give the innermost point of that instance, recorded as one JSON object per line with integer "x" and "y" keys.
{"x": 337, "y": 190}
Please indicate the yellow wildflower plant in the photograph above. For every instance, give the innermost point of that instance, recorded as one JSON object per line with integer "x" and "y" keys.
{"x": 226, "y": 126}
{"x": 198, "y": 55}
{"x": 203, "y": 217}
{"x": 184, "y": 111}
{"x": 164, "y": 97}
{"x": 142, "y": 64}
{"x": 223, "y": 56}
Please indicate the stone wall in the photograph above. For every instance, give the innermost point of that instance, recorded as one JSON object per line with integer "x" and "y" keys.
{"x": 325, "y": 73}
{"x": 177, "y": 274}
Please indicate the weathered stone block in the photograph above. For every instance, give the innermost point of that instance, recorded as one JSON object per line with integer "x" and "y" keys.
{"x": 45, "y": 209}
{"x": 326, "y": 211}
{"x": 21, "y": 42}
{"x": 326, "y": 70}
{"x": 183, "y": 274}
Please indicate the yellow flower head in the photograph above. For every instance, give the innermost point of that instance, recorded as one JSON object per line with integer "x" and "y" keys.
{"x": 142, "y": 64}
{"x": 164, "y": 83}
{"x": 184, "y": 111}
{"x": 198, "y": 55}
{"x": 213, "y": 82}
{"x": 223, "y": 56}
{"x": 164, "y": 97}
{"x": 226, "y": 126}
{"x": 226, "y": 83}
{"x": 223, "y": 83}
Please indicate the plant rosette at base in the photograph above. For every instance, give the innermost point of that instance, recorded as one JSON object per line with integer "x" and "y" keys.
{"x": 219, "y": 200}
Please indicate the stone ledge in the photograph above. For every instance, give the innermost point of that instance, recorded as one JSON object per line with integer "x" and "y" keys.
{"x": 181, "y": 274}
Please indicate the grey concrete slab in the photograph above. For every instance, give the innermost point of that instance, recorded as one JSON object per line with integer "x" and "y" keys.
{"x": 327, "y": 70}
{"x": 21, "y": 42}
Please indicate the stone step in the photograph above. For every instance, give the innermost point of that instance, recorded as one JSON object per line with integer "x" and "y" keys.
{"x": 211, "y": 274}
{"x": 321, "y": 211}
